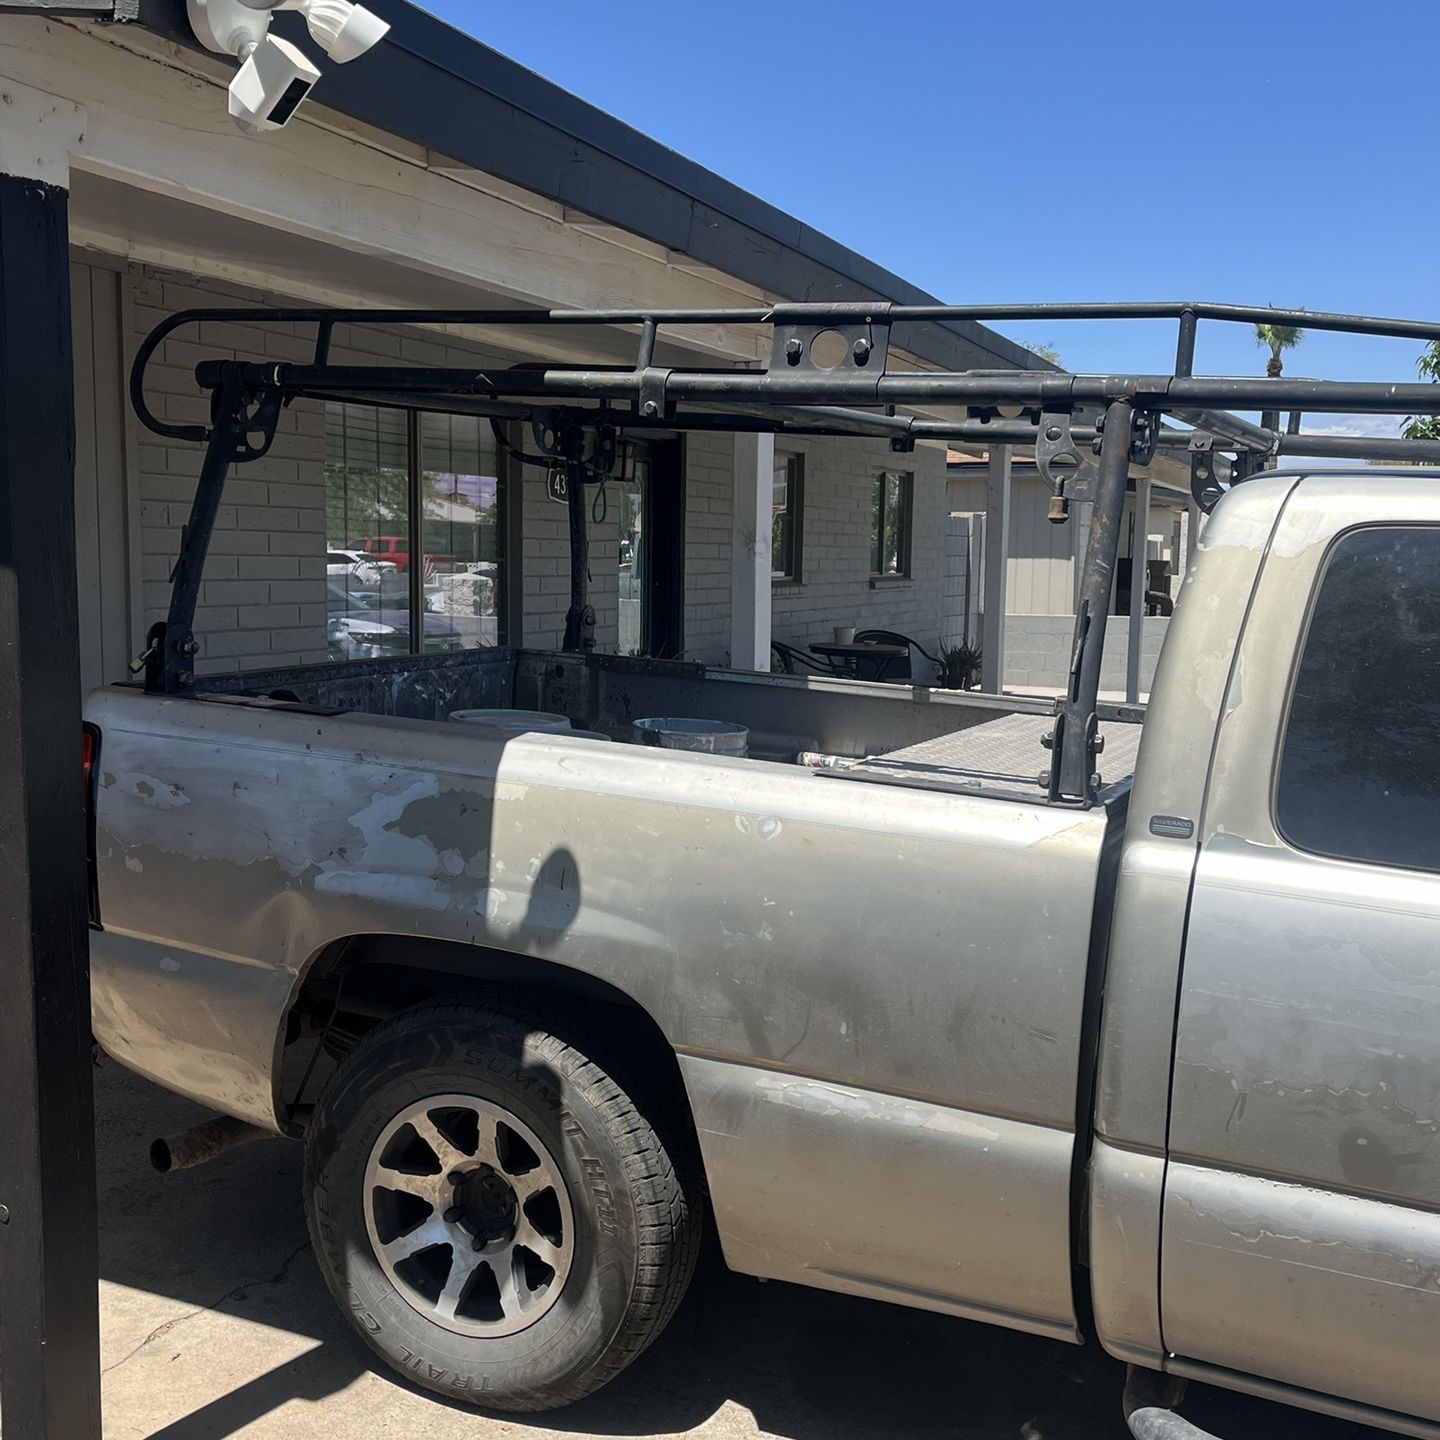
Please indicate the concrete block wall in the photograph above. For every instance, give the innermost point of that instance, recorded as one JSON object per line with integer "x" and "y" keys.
{"x": 835, "y": 587}
{"x": 1037, "y": 650}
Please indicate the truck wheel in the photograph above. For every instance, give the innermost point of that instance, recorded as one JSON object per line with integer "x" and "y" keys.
{"x": 499, "y": 1219}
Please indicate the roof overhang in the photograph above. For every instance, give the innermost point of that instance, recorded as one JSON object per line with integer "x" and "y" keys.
{"x": 438, "y": 88}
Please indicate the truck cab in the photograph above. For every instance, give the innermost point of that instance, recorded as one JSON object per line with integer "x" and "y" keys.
{"x": 1267, "y": 1124}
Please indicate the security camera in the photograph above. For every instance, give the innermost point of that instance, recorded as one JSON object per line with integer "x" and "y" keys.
{"x": 270, "y": 85}
{"x": 275, "y": 76}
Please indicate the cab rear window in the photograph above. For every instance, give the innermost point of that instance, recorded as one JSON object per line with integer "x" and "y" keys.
{"x": 1359, "y": 771}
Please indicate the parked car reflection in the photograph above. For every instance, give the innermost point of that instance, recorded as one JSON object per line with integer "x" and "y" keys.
{"x": 362, "y": 626}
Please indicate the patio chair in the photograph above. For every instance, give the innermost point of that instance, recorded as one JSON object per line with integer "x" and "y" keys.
{"x": 888, "y": 667}
{"x": 794, "y": 661}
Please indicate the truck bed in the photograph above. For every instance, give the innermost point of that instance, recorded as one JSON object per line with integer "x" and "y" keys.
{"x": 883, "y": 733}
{"x": 1001, "y": 757}
{"x": 912, "y": 960}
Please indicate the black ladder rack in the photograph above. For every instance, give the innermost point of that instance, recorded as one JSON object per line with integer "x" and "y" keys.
{"x": 829, "y": 374}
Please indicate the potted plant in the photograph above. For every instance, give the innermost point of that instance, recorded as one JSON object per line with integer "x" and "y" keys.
{"x": 959, "y": 664}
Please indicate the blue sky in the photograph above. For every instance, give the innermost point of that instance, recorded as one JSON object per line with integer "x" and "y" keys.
{"x": 1268, "y": 153}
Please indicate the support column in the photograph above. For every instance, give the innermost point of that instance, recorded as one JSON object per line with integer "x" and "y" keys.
{"x": 751, "y": 519}
{"x": 49, "y": 1332}
{"x": 1139, "y": 553}
{"x": 997, "y": 549}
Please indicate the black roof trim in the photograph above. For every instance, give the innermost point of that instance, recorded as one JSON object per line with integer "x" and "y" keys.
{"x": 434, "y": 86}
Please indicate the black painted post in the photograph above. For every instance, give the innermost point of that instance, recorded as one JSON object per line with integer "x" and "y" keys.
{"x": 49, "y": 1330}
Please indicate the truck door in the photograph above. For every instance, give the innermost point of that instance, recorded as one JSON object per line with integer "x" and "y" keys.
{"x": 1301, "y": 1228}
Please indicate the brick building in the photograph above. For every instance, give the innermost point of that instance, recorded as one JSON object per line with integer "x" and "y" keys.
{"x": 434, "y": 172}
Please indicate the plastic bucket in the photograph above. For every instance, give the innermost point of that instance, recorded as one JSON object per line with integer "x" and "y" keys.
{"x": 675, "y": 732}
{"x": 513, "y": 720}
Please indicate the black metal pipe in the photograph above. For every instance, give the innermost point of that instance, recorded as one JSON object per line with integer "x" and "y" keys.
{"x": 645, "y": 355}
{"x": 415, "y": 533}
{"x": 1185, "y": 343}
{"x": 1358, "y": 447}
{"x": 1072, "y": 763}
{"x": 1338, "y": 447}
{"x": 839, "y": 421}
{"x": 1259, "y": 438}
{"x": 1148, "y": 1404}
{"x": 856, "y": 387}
{"x": 203, "y": 1142}
{"x": 580, "y": 617}
{"x": 1187, "y": 312}
{"x": 177, "y": 643}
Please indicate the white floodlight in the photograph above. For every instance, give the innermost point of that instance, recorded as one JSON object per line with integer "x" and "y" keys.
{"x": 344, "y": 31}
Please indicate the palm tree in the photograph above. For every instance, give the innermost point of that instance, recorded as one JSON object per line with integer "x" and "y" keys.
{"x": 1277, "y": 339}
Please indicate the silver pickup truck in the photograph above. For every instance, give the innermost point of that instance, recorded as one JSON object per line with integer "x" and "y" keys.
{"x": 1161, "y": 1067}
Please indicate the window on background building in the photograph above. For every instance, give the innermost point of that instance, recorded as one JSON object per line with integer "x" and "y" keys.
{"x": 367, "y": 529}
{"x": 890, "y": 516}
{"x": 787, "y": 507}
{"x": 378, "y": 462}
{"x": 464, "y": 535}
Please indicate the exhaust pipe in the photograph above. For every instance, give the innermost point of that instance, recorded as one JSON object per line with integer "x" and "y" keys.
{"x": 203, "y": 1142}
{"x": 1149, "y": 1403}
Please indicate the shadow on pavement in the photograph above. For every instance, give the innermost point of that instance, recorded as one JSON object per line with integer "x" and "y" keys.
{"x": 230, "y": 1238}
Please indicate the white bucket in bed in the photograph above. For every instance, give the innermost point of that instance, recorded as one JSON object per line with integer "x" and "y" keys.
{"x": 513, "y": 720}
{"x": 675, "y": 732}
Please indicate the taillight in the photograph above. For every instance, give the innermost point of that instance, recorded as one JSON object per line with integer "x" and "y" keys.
{"x": 89, "y": 749}
{"x": 89, "y": 759}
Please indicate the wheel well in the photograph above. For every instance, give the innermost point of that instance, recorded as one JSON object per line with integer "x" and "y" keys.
{"x": 356, "y": 983}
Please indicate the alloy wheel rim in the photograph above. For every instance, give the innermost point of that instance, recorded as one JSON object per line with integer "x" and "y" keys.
{"x": 468, "y": 1215}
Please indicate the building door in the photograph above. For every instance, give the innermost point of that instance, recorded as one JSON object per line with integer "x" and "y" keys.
{"x": 651, "y": 500}
{"x": 102, "y": 569}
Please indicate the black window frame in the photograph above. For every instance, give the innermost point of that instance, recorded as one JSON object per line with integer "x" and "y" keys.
{"x": 794, "y": 511}
{"x": 1305, "y": 847}
{"x": 905, "y": 528}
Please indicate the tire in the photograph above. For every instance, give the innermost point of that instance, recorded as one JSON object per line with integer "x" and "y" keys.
{"x": 578, "y": 1183}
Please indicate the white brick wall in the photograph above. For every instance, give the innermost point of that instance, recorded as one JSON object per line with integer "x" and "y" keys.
{"x": 835, "y": 586}
{"x": 709, "y": 483}
{"x": 545, "y": 566}
{"x": 262, "y": 601}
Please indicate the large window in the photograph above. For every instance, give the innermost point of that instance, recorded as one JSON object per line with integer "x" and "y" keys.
{"x": 1358, "y": 776}
{"x": 413, "y": 513}
{"x": 890, "y": 514}
{"x": 787, "y": 508}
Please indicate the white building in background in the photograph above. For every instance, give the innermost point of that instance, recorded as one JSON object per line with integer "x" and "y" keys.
{"x": 1042, "y": 570}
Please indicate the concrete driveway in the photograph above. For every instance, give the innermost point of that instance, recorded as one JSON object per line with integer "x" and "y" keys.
{"x": 215, "y": 1322}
